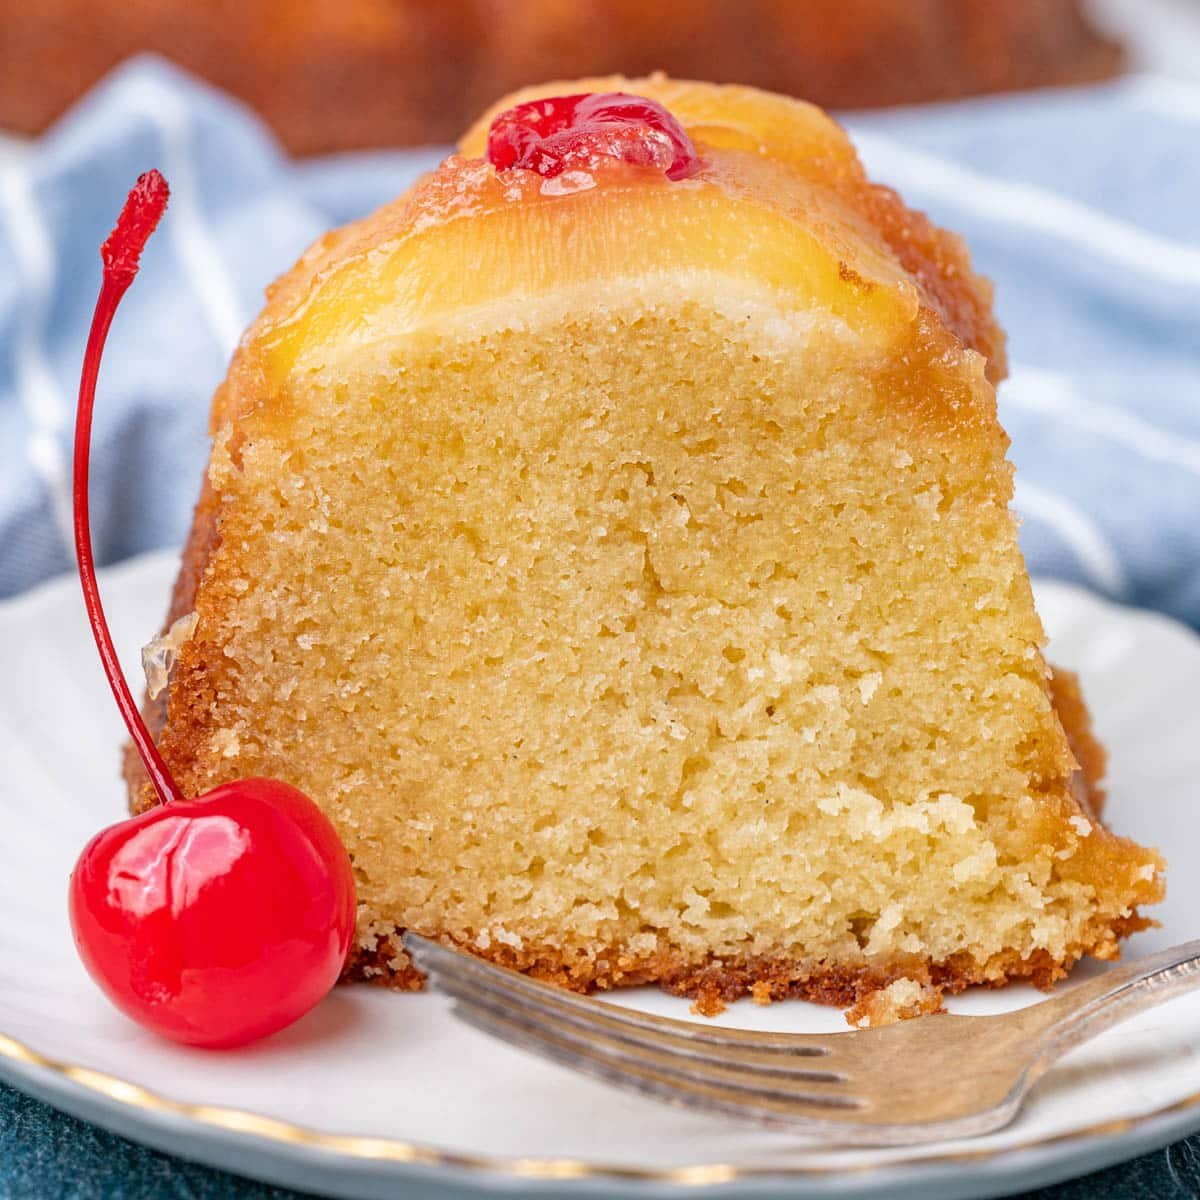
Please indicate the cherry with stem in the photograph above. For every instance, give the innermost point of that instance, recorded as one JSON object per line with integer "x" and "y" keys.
{"x": 121, "y": 255}
{"x": 215, "y": 920}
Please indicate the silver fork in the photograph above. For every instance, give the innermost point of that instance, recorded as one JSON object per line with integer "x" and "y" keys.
{"x": 923, "y": 1080}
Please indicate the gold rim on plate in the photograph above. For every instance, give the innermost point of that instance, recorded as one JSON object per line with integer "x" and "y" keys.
{"x": 380, "y": 1149}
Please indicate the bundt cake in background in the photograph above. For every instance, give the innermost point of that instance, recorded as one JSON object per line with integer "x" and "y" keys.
{"x": 360, "y": 73}
{"x": 647, "y": 608}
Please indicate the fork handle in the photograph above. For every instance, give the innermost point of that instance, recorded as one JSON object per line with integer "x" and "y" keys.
{"x": 1090, "y": 1009}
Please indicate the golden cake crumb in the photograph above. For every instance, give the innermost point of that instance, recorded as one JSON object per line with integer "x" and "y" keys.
{"x": 901, "y": 999}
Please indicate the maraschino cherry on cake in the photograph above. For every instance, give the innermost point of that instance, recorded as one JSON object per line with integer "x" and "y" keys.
{"x": 611, "y": 536}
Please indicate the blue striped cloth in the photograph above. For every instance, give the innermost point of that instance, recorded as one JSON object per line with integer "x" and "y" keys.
{"x": 1083, "y": 206}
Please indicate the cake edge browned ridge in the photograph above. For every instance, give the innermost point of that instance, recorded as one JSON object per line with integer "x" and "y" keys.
{"x": 719, "y": 980}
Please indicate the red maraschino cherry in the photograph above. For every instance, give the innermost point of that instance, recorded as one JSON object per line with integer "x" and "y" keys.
{"x": 222, "y": 919}
{"x": 562, "y": 133}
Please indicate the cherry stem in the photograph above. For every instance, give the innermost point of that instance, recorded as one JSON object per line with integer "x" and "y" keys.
{"x": 120, "y": 254}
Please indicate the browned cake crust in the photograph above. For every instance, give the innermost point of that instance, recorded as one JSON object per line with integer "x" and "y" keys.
{"x": 388, "y": 72}
{"x": 719, "y": 981}
{"x": 202, "y": 541}
{"x": 1090, "y": 754}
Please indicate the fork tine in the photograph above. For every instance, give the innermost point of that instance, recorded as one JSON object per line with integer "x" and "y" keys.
{"x": 757, "y": 1077}
{"x": 814, "y": 1115}
{"x": 819, "y": 1088}
{"x": 595, "y": 1021}
{"x": 902, "y": 1085}
{"x": 690, "y": 1037}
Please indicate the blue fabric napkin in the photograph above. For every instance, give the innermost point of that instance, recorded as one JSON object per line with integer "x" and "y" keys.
{"x": 1082, "y": 206}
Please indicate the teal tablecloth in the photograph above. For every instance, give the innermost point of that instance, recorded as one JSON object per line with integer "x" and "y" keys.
{"x": 45, "y": 1155}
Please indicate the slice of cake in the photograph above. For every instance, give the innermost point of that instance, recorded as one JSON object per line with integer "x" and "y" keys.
{"x": 360, "y": 73}
{"x": 621, "y": 557}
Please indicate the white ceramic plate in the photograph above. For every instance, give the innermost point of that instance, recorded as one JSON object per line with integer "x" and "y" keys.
{"x": 376, "y": 1094}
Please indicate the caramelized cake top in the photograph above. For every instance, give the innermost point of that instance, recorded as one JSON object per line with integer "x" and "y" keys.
{"x": 780, "y": 202}
{"x": 813, "y": 145}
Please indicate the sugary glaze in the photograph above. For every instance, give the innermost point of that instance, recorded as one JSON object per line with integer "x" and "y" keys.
{"x": 631, "y": 561}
